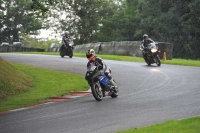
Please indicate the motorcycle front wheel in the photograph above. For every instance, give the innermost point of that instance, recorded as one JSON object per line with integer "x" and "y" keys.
{"x": 147, "y": 61}
{"x": 158, "y": 60}
{"x": 97, "y": 92}
{"x": 62, "y": 52}
{"x": 70, "y": 54}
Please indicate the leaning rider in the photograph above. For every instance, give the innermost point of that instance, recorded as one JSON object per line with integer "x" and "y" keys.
{"x": 146, "y": 40}
{"x": 97, "y": 61}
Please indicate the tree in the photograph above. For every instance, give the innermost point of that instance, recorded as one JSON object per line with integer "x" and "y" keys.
{"x": 81, "y": 18}
{"x": 123, "y": 24}
{"x": 19, "y": 17}
{"x": 171, "y": 21}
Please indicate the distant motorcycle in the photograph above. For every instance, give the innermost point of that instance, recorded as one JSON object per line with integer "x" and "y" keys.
{"x": 151, "y": 54}
{"x": 100, "y": 84}
{"x": 67, "y": 48}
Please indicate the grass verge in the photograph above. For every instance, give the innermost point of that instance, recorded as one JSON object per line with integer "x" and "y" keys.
{"x": 12, "y": 80}
{"x": 45, "y": 84}
{"x": 174, "y": 61}
{"x": 190, "y": 125}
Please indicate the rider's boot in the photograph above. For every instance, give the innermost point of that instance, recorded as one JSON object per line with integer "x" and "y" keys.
{"x": 113, "y": 86}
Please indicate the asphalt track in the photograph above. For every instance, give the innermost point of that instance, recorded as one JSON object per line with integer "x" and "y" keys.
{"x": 148, "y": 95}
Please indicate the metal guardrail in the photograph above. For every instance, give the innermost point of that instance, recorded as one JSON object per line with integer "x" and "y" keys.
{"x": 130, "y": 48}
{"x": 5, "y": 49}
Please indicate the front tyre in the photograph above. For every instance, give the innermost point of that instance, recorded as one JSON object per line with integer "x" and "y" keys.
{"x": 146, "y": 61}
{"x": 70, "y": 53}
{"x": 158, "y": 60}
{"x": 97, "y": 92}
{"x": 61, "y": 54}
{"x": 62, "y": 51}
{"x": 149, "y": 63}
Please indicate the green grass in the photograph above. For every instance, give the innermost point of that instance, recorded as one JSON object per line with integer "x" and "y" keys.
{"x": 174, "y": 61}
{"x": 191, "y": 125}
{"x": 12, "y": 81}
{"x": 183, "y": 62}
{"x": 45, "y": 84}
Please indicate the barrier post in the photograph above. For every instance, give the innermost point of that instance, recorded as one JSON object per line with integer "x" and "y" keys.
{"x": 164, "y": 56}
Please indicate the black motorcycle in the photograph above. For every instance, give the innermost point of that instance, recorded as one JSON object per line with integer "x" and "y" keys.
{"x": 150, "y": 54}
{"x": 100, "y": 84}
{"x": 67, "y": 48}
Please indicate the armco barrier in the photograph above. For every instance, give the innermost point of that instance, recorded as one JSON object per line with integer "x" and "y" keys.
{"x": 120, "y": 48}
{"x": 83, "y": 48}
{"x": 19, "y": 49}
{"x": 52, "y": 49}
{"x": 131, "y": 48}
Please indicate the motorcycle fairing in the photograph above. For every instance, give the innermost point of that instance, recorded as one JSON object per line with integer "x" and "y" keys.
{"x": 104, "y": 80}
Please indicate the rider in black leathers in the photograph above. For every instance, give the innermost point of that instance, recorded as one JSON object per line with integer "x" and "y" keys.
{"x": 97, "y": 61}
{"x": 66, "y": 38}
{"x": 146, "y": 40}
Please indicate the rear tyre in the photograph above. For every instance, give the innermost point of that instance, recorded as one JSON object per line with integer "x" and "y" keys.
{"x": 97, "y": 92}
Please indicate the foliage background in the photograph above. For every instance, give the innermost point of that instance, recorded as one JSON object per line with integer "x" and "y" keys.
{"x": 173, "y": 21}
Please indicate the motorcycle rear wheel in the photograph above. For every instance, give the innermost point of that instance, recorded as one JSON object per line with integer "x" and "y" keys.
{"x": 97, "y": 92}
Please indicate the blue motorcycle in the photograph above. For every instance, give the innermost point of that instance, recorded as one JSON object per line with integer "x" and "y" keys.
{"x": 100, "y": 84}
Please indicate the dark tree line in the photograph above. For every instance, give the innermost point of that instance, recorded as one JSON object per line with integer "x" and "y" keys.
{"x": 173, "y": 21}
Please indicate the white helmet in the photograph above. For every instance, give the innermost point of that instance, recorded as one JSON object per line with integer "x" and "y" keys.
{"x": 145, "y": 36}
{"x": 67, "y": 32}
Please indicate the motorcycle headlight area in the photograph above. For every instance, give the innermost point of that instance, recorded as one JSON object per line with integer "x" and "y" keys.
{"x": 153, "y": 50}
{"x": 70, "y": 44}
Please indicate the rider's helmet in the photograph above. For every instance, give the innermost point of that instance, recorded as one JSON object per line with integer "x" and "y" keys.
{"x": 90, "y": 54}
{"x": 66, "y": 33}
{"x": 145, "y": 36}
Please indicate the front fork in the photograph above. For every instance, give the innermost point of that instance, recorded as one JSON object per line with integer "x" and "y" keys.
{"x": 99, "y": 86}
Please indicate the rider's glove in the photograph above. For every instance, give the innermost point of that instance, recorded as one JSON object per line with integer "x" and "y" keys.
{"x": 99, "y": 67}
